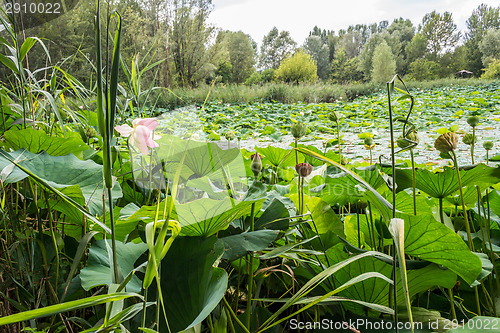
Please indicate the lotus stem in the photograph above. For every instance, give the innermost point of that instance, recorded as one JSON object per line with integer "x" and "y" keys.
{"x": 441, "y": 214}
{"x": 467, "y": 226}
{"x": 464, "y": 209}
{"x": 338, "y": 141}
{"x": 393, "y": 164}
{"x": 472, "y": 144}
{"x": 452, "y": 309}
{"x": 250, "y": 274}
{"x": 414, "y": 183}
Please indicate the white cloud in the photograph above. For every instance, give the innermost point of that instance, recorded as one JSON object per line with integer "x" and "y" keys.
{"x": 257, "y": 17}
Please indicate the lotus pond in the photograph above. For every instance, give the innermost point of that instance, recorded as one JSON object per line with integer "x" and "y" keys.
{"x": 255, "y": 217}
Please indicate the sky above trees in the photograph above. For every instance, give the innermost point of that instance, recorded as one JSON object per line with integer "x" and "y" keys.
{"x": 258, "y": 17}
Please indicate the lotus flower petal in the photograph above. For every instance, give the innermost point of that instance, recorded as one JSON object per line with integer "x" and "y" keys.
{"x": 150, "y": 123}
{"x": 124, "y": 130}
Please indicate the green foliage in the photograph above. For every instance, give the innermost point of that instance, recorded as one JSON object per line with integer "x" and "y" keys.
{"x": 484, "y": 17}
{"x": 493, "y": 70}
{"x": 319, "y": 51}
{"x": 490, "y": 46}
{"x": 298, "y": 68}
{"x": 343, "y": 69}
{"x": 440, "y": 32}
{"x": 276, "y": 46}
{"x": 225, "y": 72}
{"x": 423, "y": 69}
{"x": 384, "y": 65}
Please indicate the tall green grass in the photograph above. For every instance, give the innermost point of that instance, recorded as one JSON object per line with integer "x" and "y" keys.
{"x": 289, "y": 93}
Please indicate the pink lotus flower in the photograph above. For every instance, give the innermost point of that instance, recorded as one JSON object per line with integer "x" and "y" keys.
{"x": 141, "y": 134}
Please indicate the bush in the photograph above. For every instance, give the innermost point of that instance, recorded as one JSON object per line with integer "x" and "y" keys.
{"x": 423, "y": 69}
{"x": 493, "y": 70}
{"x": 298, "y": 68}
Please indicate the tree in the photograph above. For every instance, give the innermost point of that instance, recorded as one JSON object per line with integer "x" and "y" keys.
{"x": 482, "y": 19}
{"x": 298, "y": 68}
{"x": 319, "y": 51}
{"x": 384, "y": 65}
{"x": 417, "y": 48}
{"x": 493, "y": 70}
{"x": 276, "y": 46}
{"x": 490, "y": 46}
{"x": 423, "y": 69}
{"x": 189, "y": 37}
{"x": 440, "y": 32}
{"x": 241, "y": 55}
{"x": 343, "y": 69}
{"x": 352, "y": 43}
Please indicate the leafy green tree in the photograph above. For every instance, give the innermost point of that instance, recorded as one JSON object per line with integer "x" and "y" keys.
{"x": 319, "y": 51}
{"x": 384, "y": 64}
{"x": 298, "y": 68}
{"x": 423, "y": 69}
{"x": 483, "y": 18}
{"x": 417, "y": 48}
{"x": 493, "y": 70}
{"x": 189, "y": 36}
{"x": 452, "y": 62}
{"x": 440, "y": 32}
{"x": 225, "y": 72}
{"x": 241, "y": 55}
{"x": 343, "y": 69}
{"x": 351, "y": 42}
{"x": 490, "y": 46}
{"x": 276, "y": 46}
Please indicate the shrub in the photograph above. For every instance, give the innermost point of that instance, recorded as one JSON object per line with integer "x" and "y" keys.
{"x": 298, "y": 68}
{"x": 423, "y": 69}
{"x": 493, "y": 70}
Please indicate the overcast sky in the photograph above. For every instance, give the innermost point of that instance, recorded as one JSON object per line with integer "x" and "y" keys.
{"x": 257, "y": 17}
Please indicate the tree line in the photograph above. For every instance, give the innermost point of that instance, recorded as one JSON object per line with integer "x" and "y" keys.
{"x": 187, "y": 51}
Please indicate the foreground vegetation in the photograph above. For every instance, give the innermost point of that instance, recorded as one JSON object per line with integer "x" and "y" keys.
{"x": 112, "y": 220}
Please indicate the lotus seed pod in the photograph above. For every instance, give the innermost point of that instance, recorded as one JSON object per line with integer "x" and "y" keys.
{"x": 230, "y": 135}
{"x": 304, "y": 169}
{"x": 369, "y": 141}
{"x": 334, "y": 116}
{"x": 256, "y": 165}
{"x": 488, "y": 145}
{"x": 446, "y": 142}
{"x": 469, "y": 139}
{"x": 298, "y": 129}
{"x": 473, "y": 121}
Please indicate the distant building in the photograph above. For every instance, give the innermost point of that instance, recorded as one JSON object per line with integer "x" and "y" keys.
{"x": 463, "y": 74}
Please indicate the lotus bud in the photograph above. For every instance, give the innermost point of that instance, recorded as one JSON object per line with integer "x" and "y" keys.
{"x": 368, "y": 141}
{"x": 469, "y": 139}
{"x": 304, "y": 169}
{"x": 256, "y": 165}
{"x": 473, "y": 121}
{"x": 488, "y": 145}
{"x": 230, "y": 135}
{"x": 405, "y": 143}
{"x": 298, "y": 129}
{"x": 92, "y": 133}
{"x": 334, "y": 116}
{"x": 446, "y": 142}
